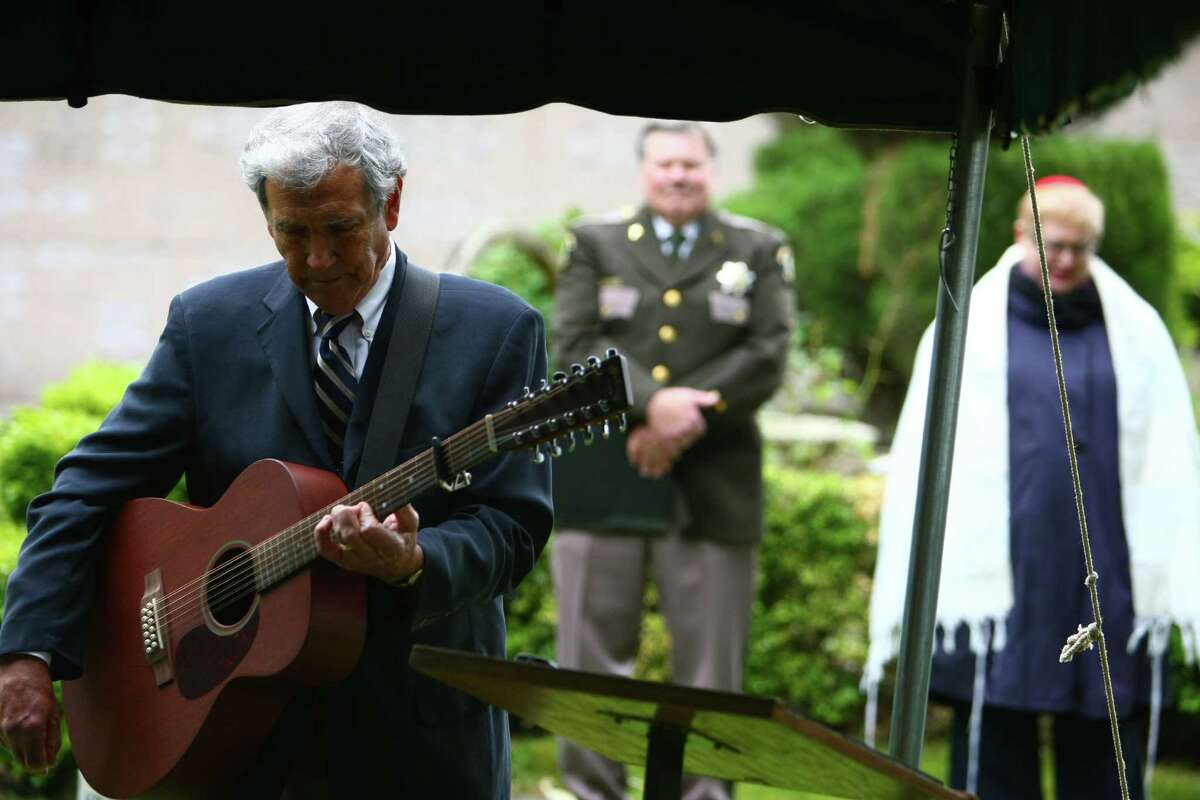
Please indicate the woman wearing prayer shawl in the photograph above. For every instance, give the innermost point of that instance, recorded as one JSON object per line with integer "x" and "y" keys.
{"x": 1012, "y": 586}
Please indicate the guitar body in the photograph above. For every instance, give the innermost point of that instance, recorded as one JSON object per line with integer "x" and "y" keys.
{"x": 186, "y": 725}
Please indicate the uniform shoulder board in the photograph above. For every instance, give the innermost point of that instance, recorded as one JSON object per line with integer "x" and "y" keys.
{"x": 783, "y": 252}
{"x": 621, "y": 215}
{"x": 750, "y": 224}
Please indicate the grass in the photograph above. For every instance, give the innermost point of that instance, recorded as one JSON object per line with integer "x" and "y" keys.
{"x": 534, "y": 762}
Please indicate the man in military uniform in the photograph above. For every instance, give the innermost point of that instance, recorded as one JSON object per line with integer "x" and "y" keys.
{"x": 701, "y": 304}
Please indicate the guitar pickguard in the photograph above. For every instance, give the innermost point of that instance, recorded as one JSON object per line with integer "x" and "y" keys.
{"x": 204, "y": 659}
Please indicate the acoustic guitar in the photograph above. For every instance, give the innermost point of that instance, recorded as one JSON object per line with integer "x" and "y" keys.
{"x": 208, "y": 619}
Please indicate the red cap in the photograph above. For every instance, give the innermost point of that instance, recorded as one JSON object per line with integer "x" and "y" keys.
{"x": 1063, "y": 180}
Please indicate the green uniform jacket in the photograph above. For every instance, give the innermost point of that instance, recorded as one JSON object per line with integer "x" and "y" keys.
{"x": 721, "y": 319}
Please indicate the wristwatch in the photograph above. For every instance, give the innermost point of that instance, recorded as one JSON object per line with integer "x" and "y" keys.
{"x": 407, "y": 581}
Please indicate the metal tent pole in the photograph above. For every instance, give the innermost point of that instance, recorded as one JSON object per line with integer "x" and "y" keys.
{"x": 950, "y": 331}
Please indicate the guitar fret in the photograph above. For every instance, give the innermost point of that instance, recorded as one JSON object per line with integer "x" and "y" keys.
{"x": 294, "y": 548}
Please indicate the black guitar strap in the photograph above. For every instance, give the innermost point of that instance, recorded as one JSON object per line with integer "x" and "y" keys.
{"x": 401, "y": 369}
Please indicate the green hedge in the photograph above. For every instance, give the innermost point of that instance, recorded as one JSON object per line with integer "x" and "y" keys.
{"x": 865, "y": 222}
{"x": 808, "y": 631}
{"x": 34, "y": 439}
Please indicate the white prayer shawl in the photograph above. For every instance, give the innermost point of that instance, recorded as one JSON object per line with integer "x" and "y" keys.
{"x": 1159, "y": 477}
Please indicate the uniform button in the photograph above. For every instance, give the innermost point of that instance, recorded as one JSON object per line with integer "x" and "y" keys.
{"x": 660, "y": 373}
{"x": 667, "y": 333}
{"x": 672, "y": 298}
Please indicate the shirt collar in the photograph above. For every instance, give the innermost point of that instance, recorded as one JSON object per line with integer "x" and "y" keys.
{"x": 370, "y": 308}
{"x": 664, "y": 229}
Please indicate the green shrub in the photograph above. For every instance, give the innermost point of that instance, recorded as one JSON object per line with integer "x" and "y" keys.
{"x": 34, "y": 439}
{"x": 808, "y": 634}
{"x": 531, "y": 613}
{"x": 31, "y": 443}
{"x": 526, "y": 263}
{"x": 1187, "y": 254}
{"x": 865, "y": 221}
{"x": 93, "y": 388}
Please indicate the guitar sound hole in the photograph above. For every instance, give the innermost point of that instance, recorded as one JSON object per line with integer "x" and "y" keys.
{"x": 230, "y": 588}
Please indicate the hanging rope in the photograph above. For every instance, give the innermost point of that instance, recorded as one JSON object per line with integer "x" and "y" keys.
{"x": 1084, "y": 637}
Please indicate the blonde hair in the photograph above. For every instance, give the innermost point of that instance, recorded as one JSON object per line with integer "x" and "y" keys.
{"x": 1069, "y": 203}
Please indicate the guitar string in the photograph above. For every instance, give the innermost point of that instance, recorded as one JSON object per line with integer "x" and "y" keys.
{"x": 400, "y": 473}
{"x": 465, "y": 446}
{"x": 460, "y": 446}
{"x": 239, "y": 589}
{"x": 234, "y": 585}
{"x": 232, "y": 581}
{"x": 266, "y": 554}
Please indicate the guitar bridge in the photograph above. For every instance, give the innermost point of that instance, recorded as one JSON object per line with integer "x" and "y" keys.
{"x": 155, "y": 638}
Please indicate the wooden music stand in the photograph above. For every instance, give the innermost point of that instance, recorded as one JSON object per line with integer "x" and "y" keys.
{"x": 674, "y": 729}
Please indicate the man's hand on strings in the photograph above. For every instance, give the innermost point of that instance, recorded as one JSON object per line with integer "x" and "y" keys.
{"x": 354, "y": 539}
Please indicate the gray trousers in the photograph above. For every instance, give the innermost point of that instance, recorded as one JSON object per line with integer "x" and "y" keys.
{"x": 705, "y": 592}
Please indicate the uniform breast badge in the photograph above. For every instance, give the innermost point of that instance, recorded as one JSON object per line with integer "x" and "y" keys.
{"x": 735, "y": 278}
{"x": 730, "y": 305}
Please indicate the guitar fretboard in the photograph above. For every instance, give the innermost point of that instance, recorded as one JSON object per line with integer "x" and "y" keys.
{"x": 294, "y": 548}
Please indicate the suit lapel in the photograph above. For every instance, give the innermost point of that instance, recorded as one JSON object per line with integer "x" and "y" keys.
{"x": 284, "y": 337}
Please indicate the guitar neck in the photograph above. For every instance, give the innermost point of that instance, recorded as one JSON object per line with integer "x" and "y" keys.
{"x": 295, "y": 547}
{"x": 545, "y": 416}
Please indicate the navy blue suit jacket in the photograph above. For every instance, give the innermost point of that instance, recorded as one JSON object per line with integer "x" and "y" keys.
{"x": 229, "y": 383}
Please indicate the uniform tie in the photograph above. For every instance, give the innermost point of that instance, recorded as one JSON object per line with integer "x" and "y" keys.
{"x": 334, "y": 377}
{"x": 675, "y": 244}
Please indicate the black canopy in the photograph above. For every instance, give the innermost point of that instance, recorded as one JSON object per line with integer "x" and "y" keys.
{"x": 841, "y": 62}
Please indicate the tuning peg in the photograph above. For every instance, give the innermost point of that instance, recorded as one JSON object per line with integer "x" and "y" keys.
{"x": 578, "y": 369}
{"x": 555, "y": 448}
{"x": 553, "y": 424}
{"x": 586, "y": 412}
{"x": 571, "y": 442}
{"x": 535, "y": 431}
{"x": 543, "y": 386}
{"x": 538, "y": 455}
{"x": 588, "y": 436}
{"x": 569, "y": 419}
{"x": 559, "y": 377}
{"x": 602, "y": 406}
{"x": 519, "y": 438}
{"x": 593, "y": 362}
{"x": 526, "y": 393}
{"x": 605, "y": 431}
{"x": 610, "y": 352}
{"x": 622, "y": 422}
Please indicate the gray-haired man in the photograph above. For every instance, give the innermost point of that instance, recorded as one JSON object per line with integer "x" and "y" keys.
{"x": 237, "y": 377}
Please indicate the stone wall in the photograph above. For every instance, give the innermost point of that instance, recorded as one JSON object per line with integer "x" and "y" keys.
{"x": 108, "y": 211}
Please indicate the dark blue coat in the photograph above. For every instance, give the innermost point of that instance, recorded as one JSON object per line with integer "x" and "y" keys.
{"x": 229, "y": 383}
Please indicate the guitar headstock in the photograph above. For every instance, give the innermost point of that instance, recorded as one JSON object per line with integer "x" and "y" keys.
{"x": 584, "y": 400}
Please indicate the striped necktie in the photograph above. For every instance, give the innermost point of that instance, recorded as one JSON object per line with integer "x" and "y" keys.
{"x": 334, "y": 377}
{"x": 675, "y": 244}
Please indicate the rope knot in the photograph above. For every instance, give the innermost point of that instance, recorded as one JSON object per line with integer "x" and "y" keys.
{"x": 1090, "y": 580}
{"x": 1082, "y": 639}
